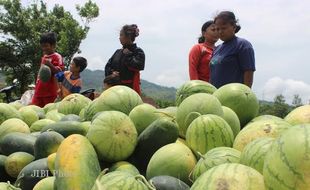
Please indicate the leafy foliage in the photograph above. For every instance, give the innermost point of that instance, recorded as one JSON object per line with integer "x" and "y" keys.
{"x": 21, "y": 28}
{"x": 279, "y": 107}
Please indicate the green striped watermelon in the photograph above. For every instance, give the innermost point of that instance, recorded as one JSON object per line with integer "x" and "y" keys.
{"x": 231, "y": 176}
{"x": 73, "y": 104}
{"x": 16, "y": 162}
{"x": 175, "y": 160}
{"x": 47, "y": 143}
{"x": 262, "y": 128}
{"x": 287, "y": 163}
{"x": 117, "y": 98}
{"x": 121, "y": 180}
{"x": 113, "y": 135}
{"x": 192, "y": 87}
{"x": 13, "y": 125}
{"x": 254, "y": 153}
{"x": 241, "y": 99}
{"x": 194, "y": 106}
{"x": 170, "y": 112}
{"x": 16, "y": 104}
{"x": 45, "y": 184}
{"x": 142, "y": 116}
{"x": 125, "y": 167}
{"x": 215, "y": 157}
{"x": 54, "y": 115}
{"x": 7, "y": 111}
{"x": 40, "y": 124}
{"x": 207, "y": 132}
{"x": 232, "y": 119}
{"x": 299, "y": 115}
{"x": 29, "y": 115}
{"x": 40, "y": 111}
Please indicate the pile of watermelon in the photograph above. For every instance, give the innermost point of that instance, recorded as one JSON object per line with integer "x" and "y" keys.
{"x": 213, "y": 139}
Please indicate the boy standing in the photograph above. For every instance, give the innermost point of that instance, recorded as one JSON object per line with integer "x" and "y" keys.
{"x": 70, "y": 81}
{"x": 46, "y": 92}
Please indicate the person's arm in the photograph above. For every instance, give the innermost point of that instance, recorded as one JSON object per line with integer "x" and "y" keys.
{"x": 135, "y": 60}
{"x": 60, "y": 76}
{"x": 248, "y": 78}
{"x": 59, "y": 91}
{"x": 193, "y": 60}
{"x": 55, "y": 63}
{"x": 247, "y": 63}
{"x": 108, "y": 69}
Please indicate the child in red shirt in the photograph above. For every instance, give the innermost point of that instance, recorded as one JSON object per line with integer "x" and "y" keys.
{"x": 46, "y": 92}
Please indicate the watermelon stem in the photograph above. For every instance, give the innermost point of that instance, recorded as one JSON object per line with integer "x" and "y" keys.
{"x": 97, "y": 183}
{"x": 166, "y": 114}
{"x": 190, "y": 176}
{"x": 142, "y": 178}
{"x": 201, "y": 156}
{"x": 12, "y": 186}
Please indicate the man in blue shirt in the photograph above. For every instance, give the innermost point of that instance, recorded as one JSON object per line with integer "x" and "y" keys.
{"x": 233, "y": 61}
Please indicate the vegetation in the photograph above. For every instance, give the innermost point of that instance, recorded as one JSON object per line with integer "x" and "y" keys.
{"x": 279, "y": 107}
{"x": 21, "y": 28}
{"x": 163, "y": 96}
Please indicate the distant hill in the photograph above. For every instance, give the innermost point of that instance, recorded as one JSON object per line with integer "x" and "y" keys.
{"x": 94, "y": 79}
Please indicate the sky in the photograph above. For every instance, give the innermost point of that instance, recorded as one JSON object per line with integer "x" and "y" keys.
{"x": 279, "y": 31}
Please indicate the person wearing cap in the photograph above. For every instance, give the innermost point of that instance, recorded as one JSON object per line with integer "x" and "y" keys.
{"x": 233, "y": 61}
{"x": 200, "y": 54}
{"x": 128, "y": 61}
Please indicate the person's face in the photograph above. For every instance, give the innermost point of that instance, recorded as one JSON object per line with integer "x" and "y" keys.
{"x": 74, "y": 68}
{"x": 47, "y": 48}
{"x": 225, "y": 29}
{"x": 123, "y": 38}
{"x": 211, "y": 34}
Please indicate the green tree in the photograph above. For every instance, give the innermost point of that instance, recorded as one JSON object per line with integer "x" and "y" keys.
{"x": 297, "y": 101}
{"x": 21, "y": 28}
{"x": 280, "y": 108}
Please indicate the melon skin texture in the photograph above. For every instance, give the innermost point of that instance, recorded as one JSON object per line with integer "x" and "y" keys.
{"x": 194, "y": 106}
{"x": 241, "y": 99}
{"x": 231, "y": 176}
{"x": 113, "y": 135}
{"x": 287, "y": 162}
{"x": 182, "y": 162}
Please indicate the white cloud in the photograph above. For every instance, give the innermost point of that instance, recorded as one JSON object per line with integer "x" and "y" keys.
{"x": 95, "y": 63}
{"x": 171, "y": 78}
{"x": 288, "y": 88}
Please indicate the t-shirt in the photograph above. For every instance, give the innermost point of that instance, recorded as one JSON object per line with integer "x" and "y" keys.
{"x": 69, "y": 84}
{"x": 230, "y": 60}
{"x": 49, "y": 88}
{"x": 199, "y": 59}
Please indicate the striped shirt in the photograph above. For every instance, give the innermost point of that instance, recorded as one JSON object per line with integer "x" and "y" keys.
{"x": 69, "y": 85}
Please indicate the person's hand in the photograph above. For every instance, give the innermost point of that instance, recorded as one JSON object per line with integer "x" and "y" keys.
{"x": 126, "y": 51}
{"x": 48, "y": 61}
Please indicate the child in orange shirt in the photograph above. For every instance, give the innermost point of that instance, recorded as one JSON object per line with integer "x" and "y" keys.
{"x": 70, "y": 81}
